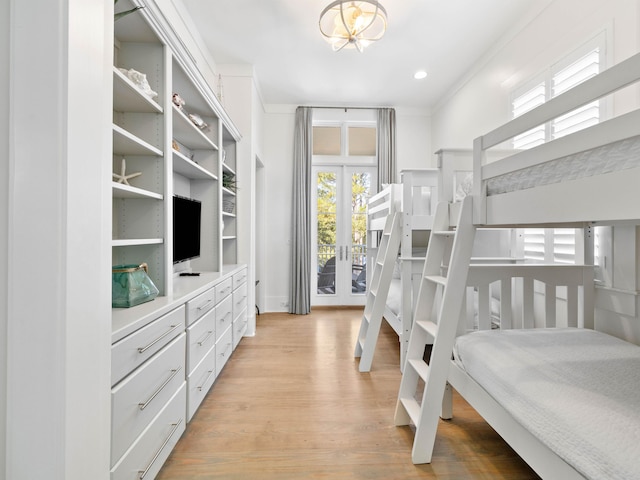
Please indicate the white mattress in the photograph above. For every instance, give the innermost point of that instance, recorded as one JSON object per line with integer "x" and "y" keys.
{"x": 576, "y": 390}
{"x": 608, "y": 158}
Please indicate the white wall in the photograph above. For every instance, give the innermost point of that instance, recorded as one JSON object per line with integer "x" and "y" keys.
{"x": 413, "y": 149}
{"x": 57, "y": 318}
{"x": 481, "y": 102}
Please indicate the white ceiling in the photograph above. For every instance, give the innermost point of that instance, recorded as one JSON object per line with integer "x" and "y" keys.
{"x": 294, "y": 64}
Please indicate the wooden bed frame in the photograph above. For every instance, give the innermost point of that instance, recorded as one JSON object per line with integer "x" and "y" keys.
{"x": 610, "y": 197}
{"x": 406, "y": 198}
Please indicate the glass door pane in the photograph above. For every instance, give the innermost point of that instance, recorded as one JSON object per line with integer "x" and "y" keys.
{"x": 326, "y": 210}
{"x": 360, "y": 191}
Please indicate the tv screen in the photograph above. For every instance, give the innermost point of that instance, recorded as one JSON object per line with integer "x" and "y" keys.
{"x": 186, "y": 228}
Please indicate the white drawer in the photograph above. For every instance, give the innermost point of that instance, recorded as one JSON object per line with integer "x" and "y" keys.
{"x": 198, "y": 306}
{"x": 224, "y": 316}
{"x": 239, "y": 278}
{"x": 239, "y": 329}
{"x": 130, "y": 352}
{"x": 152, "y": 448}
{"x": 201, "y": 337}
{"x": 200, "y": 381}
{"x": 223, "y": 289}
{"x": 138, "y": 398}
{"x": 239, "y": 300}
{"x": 224, "y": 349}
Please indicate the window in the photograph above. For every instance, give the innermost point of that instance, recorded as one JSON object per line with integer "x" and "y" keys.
{"x": 327, "y": 140}
{"x": 558, "y": 80}
{"x": 557, "y": 245}
{"x": 353, "y": 142}
{"x": 362, "y": 141}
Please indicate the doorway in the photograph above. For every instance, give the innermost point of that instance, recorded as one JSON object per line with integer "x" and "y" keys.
{"x": 339, "y": 233}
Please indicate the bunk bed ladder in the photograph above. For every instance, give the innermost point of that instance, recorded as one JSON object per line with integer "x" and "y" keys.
{"x": 377, "y": 291}
{"x": 442, "y": 288}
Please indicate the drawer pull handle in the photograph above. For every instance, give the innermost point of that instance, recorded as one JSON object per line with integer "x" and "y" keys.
{"x": 209, "y": 333}
{"x": 225, "y": 350}
{"x": 143, "y": 473}
{"x": 205, "y": 380}
{"x": 144, "y": 349}
{"x": 225, "y": 316}
{"x": 174, "y": 372}
{"x": 201, "y": 307}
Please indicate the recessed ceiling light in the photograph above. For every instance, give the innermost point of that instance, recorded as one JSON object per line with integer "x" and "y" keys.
{"x": 420, "y": 74}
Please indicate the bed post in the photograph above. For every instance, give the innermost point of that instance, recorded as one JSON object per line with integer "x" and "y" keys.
{"x": 479, "y": 204}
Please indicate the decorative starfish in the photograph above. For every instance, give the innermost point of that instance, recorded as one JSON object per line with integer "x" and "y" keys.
{"x": 122, "y": 177}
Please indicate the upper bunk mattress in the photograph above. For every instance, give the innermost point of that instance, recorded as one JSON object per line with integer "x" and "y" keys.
{"x": 576, "y": 390}
{"x": 613, "y": 157}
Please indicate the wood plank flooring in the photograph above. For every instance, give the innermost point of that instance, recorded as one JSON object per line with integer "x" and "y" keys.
{"x": 291, "y": 404}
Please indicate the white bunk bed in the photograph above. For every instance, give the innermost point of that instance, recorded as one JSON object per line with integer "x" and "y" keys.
{"x": 565, "y": 397}
{"x": 415, "y": 198}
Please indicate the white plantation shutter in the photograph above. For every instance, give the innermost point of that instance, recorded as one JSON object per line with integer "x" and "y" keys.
{"x": 567, "y": 78}
{"x": 534, "y": 240}
{"x": 550, "y": 245}
{"x": 523, "y": 103}
{"x": 556, "y": 245}
{"x": 564, "y": 245}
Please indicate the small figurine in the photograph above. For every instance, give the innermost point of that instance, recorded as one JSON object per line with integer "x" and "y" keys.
{"x": 178, "y": 101}
{"x": 123, "y": 177}
{"x": 198, "y": 121}
{"x": 139, "y": 80}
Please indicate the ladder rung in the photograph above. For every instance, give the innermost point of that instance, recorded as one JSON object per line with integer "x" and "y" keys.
{"x": 428, "y": 326}
{"x": 444, "y": 233}
{"x": 413, "y": 409}
{"x": 421, "y": 368}
{"x": 438, "y": 279}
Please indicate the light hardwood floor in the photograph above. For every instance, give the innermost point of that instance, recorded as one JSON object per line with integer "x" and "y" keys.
{"x": 291, "y": 404}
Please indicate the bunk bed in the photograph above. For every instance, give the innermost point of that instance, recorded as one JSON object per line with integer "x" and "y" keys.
{"x": 565, "y": 396}
{"x": 415, "y": 198}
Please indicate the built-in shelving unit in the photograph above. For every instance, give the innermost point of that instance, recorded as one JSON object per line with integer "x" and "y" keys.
{"x": 163, "y": 148}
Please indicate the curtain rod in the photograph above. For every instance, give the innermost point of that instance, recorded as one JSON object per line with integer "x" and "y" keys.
{"x": 344, "y": 108}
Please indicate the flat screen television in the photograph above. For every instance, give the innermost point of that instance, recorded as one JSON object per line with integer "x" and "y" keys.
{"x": 187, "y": 214}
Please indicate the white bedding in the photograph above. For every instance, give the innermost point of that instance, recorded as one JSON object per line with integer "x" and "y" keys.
{"x": 577, "y": 390}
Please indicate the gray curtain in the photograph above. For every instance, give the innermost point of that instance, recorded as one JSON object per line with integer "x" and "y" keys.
{"x": 300, "y": 288}
{"x": 386, "y": 146}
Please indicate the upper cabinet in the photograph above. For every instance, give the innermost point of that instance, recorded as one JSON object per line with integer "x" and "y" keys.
{"x": 171, "y": 137}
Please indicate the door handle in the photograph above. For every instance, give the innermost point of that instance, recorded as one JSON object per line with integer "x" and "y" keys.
{"x": 346, "y": 253}
{"x": 340, "y": 254}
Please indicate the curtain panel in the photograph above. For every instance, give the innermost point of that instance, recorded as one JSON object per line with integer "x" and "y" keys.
{"x": 300, "y": 288}
{"x": 386, "y": 127}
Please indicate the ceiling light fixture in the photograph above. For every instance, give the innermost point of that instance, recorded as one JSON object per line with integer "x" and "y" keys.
{"x": 347, "y": 24}
{"x": 420, "y": 74}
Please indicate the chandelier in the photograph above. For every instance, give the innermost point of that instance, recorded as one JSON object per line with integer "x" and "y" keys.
{"x": 347, "y": 24}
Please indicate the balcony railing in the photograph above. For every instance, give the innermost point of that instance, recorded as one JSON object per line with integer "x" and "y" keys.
{"x": 326, "y": 258}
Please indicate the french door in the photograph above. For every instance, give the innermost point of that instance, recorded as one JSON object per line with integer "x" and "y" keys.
{"x": 339, "y": 233}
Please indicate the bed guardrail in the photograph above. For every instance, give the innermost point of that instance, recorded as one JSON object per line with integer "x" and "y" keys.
{"x": 527, "y": 296}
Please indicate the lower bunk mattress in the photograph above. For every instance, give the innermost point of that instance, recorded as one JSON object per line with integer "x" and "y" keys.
{"x": 576, "y": 390}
